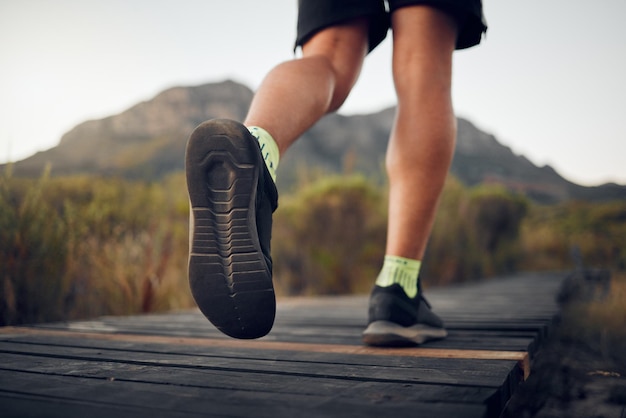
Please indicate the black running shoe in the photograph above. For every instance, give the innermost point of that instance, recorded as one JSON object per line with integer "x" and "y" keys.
{"x": 397, "y": 320}
{"x": 232, "y": 198}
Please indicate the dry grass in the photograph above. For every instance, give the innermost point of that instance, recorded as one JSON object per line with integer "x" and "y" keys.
{"x": 85, "y": 246}
{"x": 580, "y": 371}
{"x": 600, "y": 324}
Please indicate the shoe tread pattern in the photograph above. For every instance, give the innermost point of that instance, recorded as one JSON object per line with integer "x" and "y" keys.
{"x": 228, "y": 273}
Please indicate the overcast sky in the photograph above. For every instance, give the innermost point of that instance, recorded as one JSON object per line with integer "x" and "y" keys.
{"x": 549, "y": 80}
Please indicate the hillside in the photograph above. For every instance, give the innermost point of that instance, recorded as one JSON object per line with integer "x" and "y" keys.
{"x": 147, "y": 141}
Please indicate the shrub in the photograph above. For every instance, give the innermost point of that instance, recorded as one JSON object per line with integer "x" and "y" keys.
{"x": 329, "y": 237}
{"x": 596, "y": 230}
{"x": 475, "y": 234}
{"x": 80, "y": 247}
{"x": 33, "y": 255}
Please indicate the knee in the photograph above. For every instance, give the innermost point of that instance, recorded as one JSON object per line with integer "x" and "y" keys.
{"x": 343, "y": 49}
{"x": 337, "y": 82}
{"x": 342, "y": 77}
{"x": 340, "y": 93}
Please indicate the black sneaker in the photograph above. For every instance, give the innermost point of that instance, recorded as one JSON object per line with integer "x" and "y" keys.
{"x": 232, "y": 199}
{"x": 397, "y": 320}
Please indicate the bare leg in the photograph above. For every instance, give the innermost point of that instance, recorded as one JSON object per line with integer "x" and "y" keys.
{"x": 418, "y": 158}
{"x": 296, "y": 94}
{"x": 230, "y": 268}
{"x": 422, "y": 140}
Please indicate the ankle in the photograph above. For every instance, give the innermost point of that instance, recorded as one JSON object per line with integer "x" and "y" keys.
{"x": 269, "y": 149}
{"x": 401, "y": 271}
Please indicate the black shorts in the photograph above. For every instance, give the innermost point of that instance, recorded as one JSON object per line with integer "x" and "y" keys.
{"x": 314, "y": 15}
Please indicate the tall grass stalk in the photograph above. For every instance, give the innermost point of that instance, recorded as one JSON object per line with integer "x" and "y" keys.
{"x": 81, "y": 247}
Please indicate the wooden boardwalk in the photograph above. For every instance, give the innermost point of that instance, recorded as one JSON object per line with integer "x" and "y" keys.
{"x": 311, "y": 365}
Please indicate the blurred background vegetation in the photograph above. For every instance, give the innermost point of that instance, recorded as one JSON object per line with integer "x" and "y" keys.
{"x": 83, "y": 246}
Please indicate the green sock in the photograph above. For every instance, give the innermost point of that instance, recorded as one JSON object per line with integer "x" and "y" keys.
{"x": 269, "y": 149}
{"x": 403, "y": 271}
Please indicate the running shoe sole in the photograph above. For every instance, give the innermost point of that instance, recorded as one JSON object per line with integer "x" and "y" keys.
{"x": 228, "y": 273}
{"x": 390, "y": 334}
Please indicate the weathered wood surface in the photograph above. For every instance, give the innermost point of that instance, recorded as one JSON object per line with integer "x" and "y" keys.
{"x": 312, "y": 364}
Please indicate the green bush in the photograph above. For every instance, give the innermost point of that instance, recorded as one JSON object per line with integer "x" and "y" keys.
{"x": 329, "y": 237}
{"x": 596, "y": 230}
{"x": 475, "y": 234}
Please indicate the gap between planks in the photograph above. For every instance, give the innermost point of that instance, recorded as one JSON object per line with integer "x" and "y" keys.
{"x": 520, "y": 356}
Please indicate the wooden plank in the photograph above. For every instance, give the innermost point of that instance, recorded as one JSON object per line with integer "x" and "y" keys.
{"x": 520, "y": 357}
{"x": 26, "y": 405}
{"x": 73, "y": 381}
{"x": 97, "y": 381}
{"x": 475, "y": 372}
{"x": 209, "y": 354}
{"x": 481, "y": 338}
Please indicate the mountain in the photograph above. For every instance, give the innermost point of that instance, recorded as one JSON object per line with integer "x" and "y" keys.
{"x": 148, "y": 140}
{"x": 145, "y": 141}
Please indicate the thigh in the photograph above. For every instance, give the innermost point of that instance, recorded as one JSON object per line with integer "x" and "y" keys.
{"x": 316, "y": 15}
{"x": 468, "y": 15}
